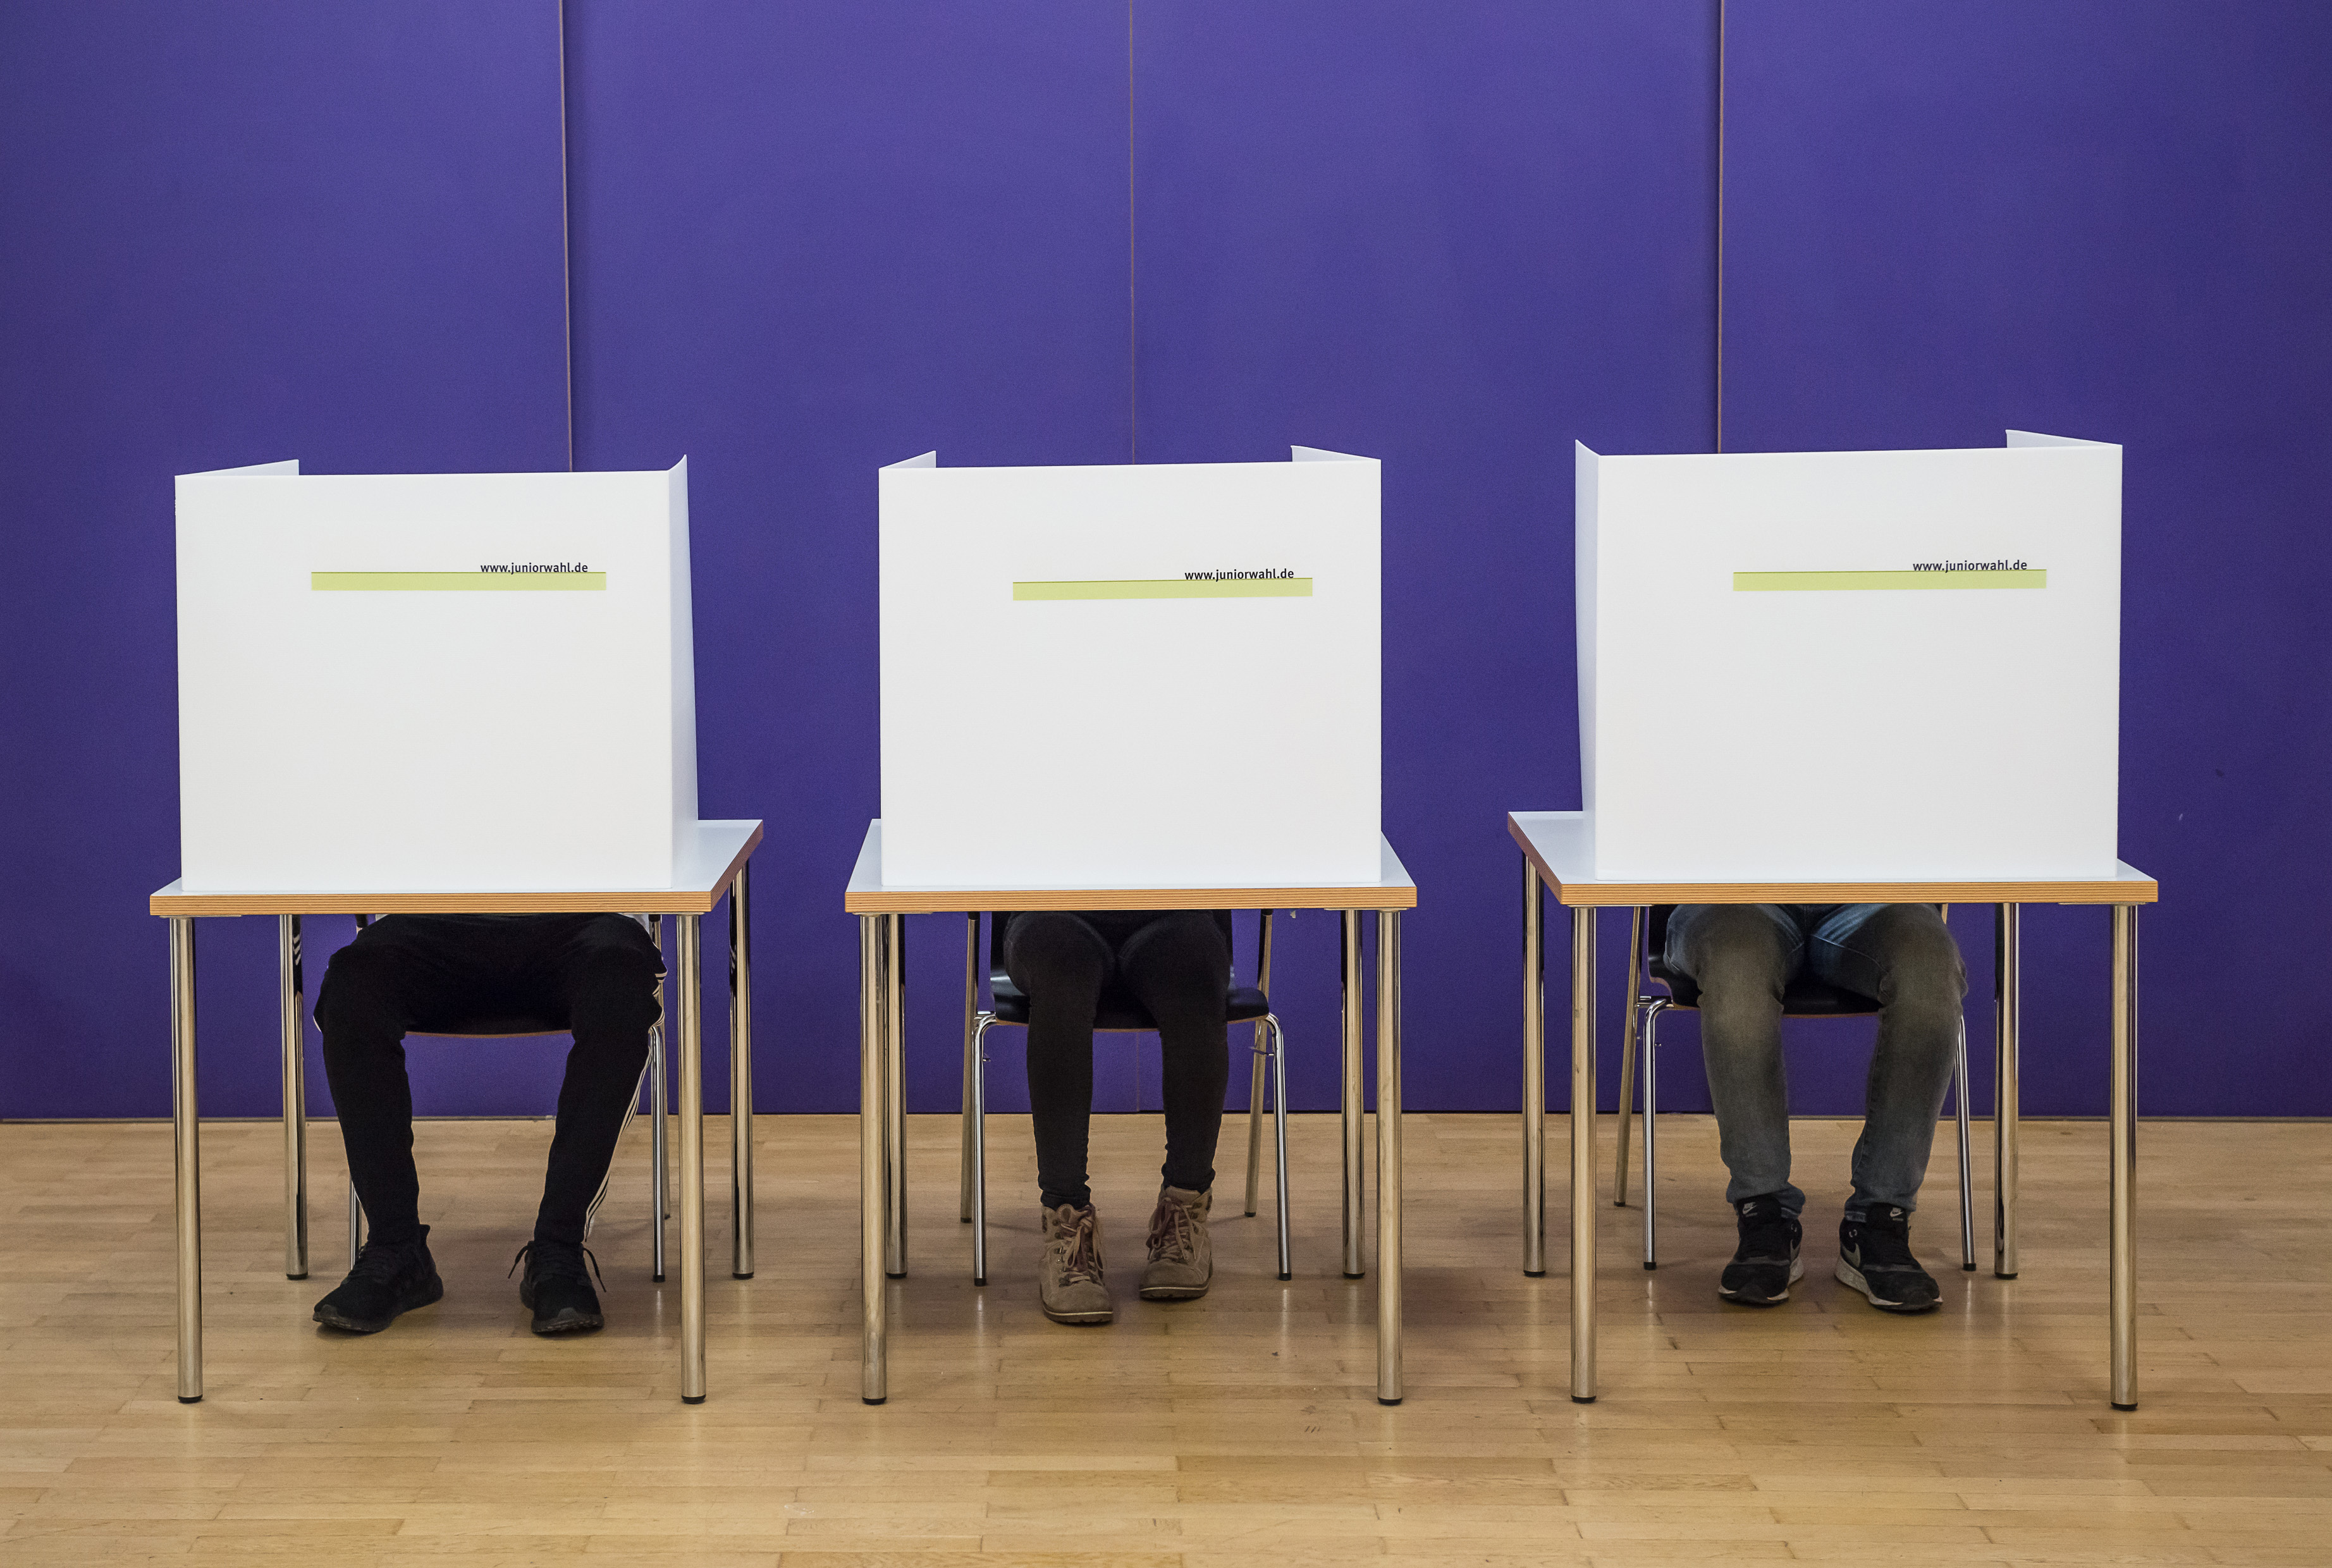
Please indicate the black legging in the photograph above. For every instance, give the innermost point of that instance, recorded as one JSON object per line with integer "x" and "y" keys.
{"x": 593, "y": 973}
{"x": 1177, "y": 965}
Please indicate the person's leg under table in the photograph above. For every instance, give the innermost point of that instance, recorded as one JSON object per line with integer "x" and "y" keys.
{"x": 1060, "y": 963}
{"x": 1902, "y": 956}
{"x": 1177, "y": 967}
{"x": 601, "y": 974}
{"x": 1740, "y": 957}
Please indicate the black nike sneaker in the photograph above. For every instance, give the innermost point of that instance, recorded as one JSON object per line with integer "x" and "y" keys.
{"x": 1765, "y": 1264}
{"x": 389, "y": 1278}
{"x": 555, "y": 1288}
{"x": 1874, "y": 1257}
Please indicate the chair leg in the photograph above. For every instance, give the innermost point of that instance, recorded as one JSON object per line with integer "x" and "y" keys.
{"x": 1628, "y": 1049}
{"x": 355, "y": 1226}
{"x": 1652, "y": 1054}
{"x": 1967, "y": 1183}
{"x": 1257, "y": 1061}
{"x": 1279, "y": 1137}
{"x": 659, "y": 1130}
{"x": 977, "y": 1129}
{"x": 971, "y": 1049}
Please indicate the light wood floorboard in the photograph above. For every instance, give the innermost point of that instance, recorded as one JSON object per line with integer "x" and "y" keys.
{"x": 1238, "y": 1429}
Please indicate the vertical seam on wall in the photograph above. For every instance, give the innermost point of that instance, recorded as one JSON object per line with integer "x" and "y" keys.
{"x": 566, "y": 245}
{"x": 1132, "y": 336}
{"x": 1720, "y": 226}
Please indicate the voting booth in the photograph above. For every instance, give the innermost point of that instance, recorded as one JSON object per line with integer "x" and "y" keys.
{"x": 1851, "y": 665}
{"x": 1155, "y": 676}
{"x": 392, "y": 683}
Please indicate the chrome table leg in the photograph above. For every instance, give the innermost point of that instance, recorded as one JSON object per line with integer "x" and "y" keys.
{"x": 291, "y": 1003}
{"x": 979, "y": 1144}
{"x": 1534, "y": 1073}
{"x": 1967, "y": 1187}
{"x": 691, "y": 1162}
{"x": 1355, "y": 1106}
{"x": 1279, "y": 1138}
{"x": 2124, "y": 1087}
{"x": 1256, "y": 1067}
{"x": 1388, "y": 1157}
{"x": 741, "y": 1079}
{"x": 1652, "y": 1130}
{"x": 1583, "y": 1155}
{"x": 894, "y": 1090}
{"x": 873, "y": 1381}
{"x": 2007, "y": 995}
{"x": 185, "y": 1144}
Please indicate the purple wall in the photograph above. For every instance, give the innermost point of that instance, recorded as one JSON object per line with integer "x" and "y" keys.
{"x": 2105, "y": 219}
{"x": 233, "y": 232}
{"x": 809, "y": 240}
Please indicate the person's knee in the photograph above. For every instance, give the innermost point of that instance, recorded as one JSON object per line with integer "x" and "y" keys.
{"x": 1736, "y": 956}
{"x": 615, "y": 995}
{"x": 1055, "y": 952}
{"x": 1182, "y": 954}
{"x": 1922, "y": 969}
{"x": 359, "y": 991}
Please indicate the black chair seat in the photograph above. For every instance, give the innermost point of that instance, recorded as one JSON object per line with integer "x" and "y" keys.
{"x": 1803, "y": 997}
{"x": 1119, "y": 1011}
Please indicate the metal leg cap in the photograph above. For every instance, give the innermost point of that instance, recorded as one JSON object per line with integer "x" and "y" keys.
{"x": 1533, "y": 1274}
{"x": 1286, "y": 1276}
{"x": 864, "y": 1401}
{"x": 1356, "y": 1276}
{"x": 197, "y": 1399}
{"x": 1967, "y": 1268}
{"x": 888, "y": 1274}
{"x": 734, "y": 1275}
{"x": 1997, "y": 1275}
{"x": 656, "y": 1278}
{"x": 2124, "y": 1407}
{"x": 295, "y": 1277}
{"x": 1382, "y": 1400}
{"x": 1582, "y": 1399}
{"x": 691, "y": 1399}
{"x": 967, "y": 1219}
{"x": 1649, "y": 1264}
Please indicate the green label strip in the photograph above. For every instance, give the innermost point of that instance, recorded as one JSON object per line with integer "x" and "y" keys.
{"x": 450, "y": 582}
{"x": 1797, "y": 582}
{"x": 1169, "y": 588}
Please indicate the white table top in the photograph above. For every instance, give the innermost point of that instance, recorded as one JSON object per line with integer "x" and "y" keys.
{"x": 869, "y": 895}
{"x": 1557, "y": 843}
{"x": 698, "y": 884}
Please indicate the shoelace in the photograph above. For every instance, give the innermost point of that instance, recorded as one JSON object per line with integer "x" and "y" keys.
{"x": 1080, "y": 1264}
{"x": 1173, "y": 1237}
{"x": 381, "y": 1262}
{"x": 555, "y": 1264}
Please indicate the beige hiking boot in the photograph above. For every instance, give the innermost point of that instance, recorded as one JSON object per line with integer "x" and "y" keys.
{"x": 1181, "y": 1256}
{"x": 1069, "y": 1281}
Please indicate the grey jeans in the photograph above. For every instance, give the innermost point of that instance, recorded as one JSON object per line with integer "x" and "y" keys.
{"x": 1900, "y": 955}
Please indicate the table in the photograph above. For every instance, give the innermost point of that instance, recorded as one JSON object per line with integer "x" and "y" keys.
{"x": 1558, "y": 854}
{"x": 881, "y": 908}
{"x": 713, "y": 865}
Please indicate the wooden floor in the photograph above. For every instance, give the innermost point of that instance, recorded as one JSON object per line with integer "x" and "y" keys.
{"x": 1238, "y": 1430}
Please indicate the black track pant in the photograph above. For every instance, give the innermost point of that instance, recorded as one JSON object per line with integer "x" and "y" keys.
{"x": 1177, "y": 965}
{"x": 593, "y": 973}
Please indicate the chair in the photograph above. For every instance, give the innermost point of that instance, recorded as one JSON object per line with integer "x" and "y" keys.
{"x": 1804, "y": 998}
{"x": 652, "y": 1072}
{"x": 1118, "y": 1013}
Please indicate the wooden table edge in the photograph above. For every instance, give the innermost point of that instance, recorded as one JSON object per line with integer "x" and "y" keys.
{"x": 1975, "y": 890}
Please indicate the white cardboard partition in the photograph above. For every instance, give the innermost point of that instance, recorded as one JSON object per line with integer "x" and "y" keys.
{"x": 365, "y": 703}
{"x": 1770, "y": 686}
{"x": 1163, "y": 675}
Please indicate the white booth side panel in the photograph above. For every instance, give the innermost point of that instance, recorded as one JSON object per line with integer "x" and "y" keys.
{"x": 1137, "y": 742}
{"x": 1864, "y": 733}
{"x": 409, "y": 740}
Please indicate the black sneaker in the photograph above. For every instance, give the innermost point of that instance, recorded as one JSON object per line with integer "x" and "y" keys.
{"x": 1765, "y": 1264}
{"x": 389, "y": 1278}
{"x": 557, "y": 1288}
{"x": 1874, "y": 1257}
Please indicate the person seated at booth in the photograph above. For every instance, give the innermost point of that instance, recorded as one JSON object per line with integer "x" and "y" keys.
{"x": 1177, "y": 965}
{"x": 595, "y": 974}
{"x": 1900, "y": 955}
